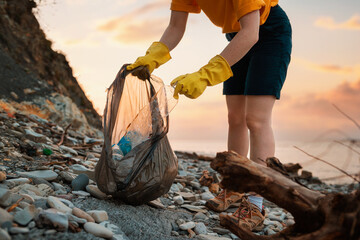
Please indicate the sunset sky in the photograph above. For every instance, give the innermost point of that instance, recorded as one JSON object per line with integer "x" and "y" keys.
{"x": 98, "y": 37}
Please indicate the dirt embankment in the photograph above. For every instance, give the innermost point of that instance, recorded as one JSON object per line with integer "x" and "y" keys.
{"x": 30, "y": 71}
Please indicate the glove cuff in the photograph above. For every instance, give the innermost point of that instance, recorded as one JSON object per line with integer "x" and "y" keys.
{"x": 227, "y": 68}
{"x": 160, "y": 45}
{"x": 160, "y": 53}
{"x": 221, "y": 68}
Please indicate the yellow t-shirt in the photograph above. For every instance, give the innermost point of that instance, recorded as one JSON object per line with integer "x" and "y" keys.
{"x": 225, "y": 13}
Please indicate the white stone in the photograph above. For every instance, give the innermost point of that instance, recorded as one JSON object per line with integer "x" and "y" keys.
{"x": 34, "y": 136}
{"x": 178, "y": 200}
{"x": 79, "y": 167}
{"x": 118, "y": 234}
{"x": 289, "y": 222}
{"x": 69, "y": 150}
{"x": 43, "y": 174}
{"x": 181, "y": 187}
{"x": 206, "y": 196}
{"x": 210, "y": 237}
{"x": 98, "y": 230}
{"x": 186, "y": 226}
{"x": 81, "y": 193}
{"x": 175, "y": 188}
{"x": 57, "y": 204}
{"x": 18, "y": 181}
{"x": 19, "y": 230}
{"x": 195, "y": 184}
{"x": 188, "y": 196}
{"x": 95, "y": 191}
{"x": 98, "y": 215}
{"x": 194, "y": 208}
{"x": 44, "y": 189}
{"x": 67, "y": 176}
{"x": 28, "y": 197}
{"x": 274, "y": 217}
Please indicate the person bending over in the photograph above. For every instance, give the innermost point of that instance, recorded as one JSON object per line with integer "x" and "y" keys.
{"x": 252, "y": 68}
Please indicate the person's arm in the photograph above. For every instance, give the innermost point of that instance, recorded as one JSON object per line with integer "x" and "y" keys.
{"x": 175, "y": 30}
{"x": 218, "y": 69}
{"x": 159, "y": 52}
{"x": 244, "y": 40}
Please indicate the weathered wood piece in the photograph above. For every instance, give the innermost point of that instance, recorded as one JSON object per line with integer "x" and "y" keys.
{"x": 317, "y": 216}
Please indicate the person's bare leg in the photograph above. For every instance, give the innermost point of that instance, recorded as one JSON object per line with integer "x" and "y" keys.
{"x": 258, "y": 120}
{"x": 238, "y": 136}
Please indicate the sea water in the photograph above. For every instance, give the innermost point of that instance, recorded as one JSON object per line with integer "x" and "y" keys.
{"x": 329, "y": 150}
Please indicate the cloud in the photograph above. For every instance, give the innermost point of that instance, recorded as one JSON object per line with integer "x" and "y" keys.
{"x": 81, "y": 42}
{"x": 329, "y": 68}
{"x": 76, "y": 2}
{"x": 126, "y": 2}
{"x": 313, "y": 114}
{"x": 139, "y": 25}
{"x": 329, "y": 23}
{"x": 141, "y": 31}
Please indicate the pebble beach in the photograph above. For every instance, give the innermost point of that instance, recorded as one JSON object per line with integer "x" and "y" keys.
{"x": 47, "y": 191}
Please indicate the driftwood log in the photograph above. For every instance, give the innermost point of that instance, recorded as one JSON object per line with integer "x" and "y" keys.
{"x": 317, "y": 216}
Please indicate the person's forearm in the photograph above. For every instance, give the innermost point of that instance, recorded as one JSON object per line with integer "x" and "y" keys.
{"x": 175, "y": 31}
{"x": 244, "y": 40}
{"x": 172, "y": 37}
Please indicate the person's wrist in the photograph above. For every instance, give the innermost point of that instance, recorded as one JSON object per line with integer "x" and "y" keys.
{"x": 221, "y": 70}
{"x": 163, "y": 46}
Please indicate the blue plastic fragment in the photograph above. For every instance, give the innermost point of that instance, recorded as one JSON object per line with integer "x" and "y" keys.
{"x": 125, "y": 144}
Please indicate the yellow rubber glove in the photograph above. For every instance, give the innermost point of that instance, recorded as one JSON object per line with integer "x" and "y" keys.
{"x": 194, "y": 84}
{"x": 157, "y": 54}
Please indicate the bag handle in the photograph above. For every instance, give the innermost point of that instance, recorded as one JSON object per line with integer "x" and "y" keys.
{"x": 142, "y": 72}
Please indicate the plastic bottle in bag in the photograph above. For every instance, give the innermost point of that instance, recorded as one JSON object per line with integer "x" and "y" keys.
{"x": 128, "y": 142}
{"x": 125, "y": 144}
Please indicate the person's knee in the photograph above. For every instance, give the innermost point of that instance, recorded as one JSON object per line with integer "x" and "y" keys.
{"x": 257, "y": 123}
{"x": 236, "y": 119}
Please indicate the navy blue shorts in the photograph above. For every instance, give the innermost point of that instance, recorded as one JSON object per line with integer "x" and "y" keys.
{"x": 262, "y": 71}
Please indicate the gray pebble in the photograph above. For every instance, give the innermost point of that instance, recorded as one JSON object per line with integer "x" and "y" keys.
{"x": 174, "y": 233}
{"x": 221, "y": 231}
{"x": 4, "y": 235}
{"x": 80, "y": 182}
{"x": 19, "y": 230}
{"x": 5, "y": 199}
{"x": 200, "y": 228}
{"x": 32, "y": 224}
{"x": 23, "y": 217}
{"x": 6, "y": 225}
{"x": 200, "y": 216}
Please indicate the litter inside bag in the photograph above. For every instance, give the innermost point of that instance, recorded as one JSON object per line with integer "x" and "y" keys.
{"x": 137, "y": 163}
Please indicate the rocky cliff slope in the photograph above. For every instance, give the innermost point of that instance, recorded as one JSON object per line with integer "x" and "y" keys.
{"x": 35, "y": 79}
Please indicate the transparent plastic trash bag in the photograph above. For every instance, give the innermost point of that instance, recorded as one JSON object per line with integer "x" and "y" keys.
{"x": 137, "y": 164}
